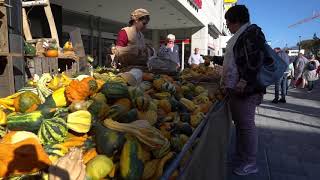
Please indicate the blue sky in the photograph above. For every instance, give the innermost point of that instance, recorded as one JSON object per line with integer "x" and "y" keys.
{"x": 274, "y": 17}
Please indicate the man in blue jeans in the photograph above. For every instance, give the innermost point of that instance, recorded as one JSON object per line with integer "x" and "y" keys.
{"x": 282, "y": 83}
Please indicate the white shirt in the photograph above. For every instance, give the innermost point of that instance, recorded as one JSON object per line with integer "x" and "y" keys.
{"x": 230, "y": 74}
{"x": 195, "y": 59}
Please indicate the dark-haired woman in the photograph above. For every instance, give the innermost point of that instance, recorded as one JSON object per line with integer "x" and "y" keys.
{"x": 130, "y": 46}
{"x": 241, "y": 64}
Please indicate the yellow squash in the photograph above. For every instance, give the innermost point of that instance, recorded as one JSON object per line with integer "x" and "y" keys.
{"x": 79, "y": 121}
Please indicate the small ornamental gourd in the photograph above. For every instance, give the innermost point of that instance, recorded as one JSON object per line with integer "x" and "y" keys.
{"x": 131, "y": 164}
{"x": 142, "y": 103}
{"x": 3, "y": 117}
{"x": 81, "y": 90}
{"x": 99, "y": 167}
{"x": 53, "y": 131}
{"x": 79, "y": 121}
{"x": 108, "y": 141}
{"x": 115, "y": 90}
{"x": 26, "y": 102}
{"x": 71, "y": 164}
{"x": 141, "y": 129}
{"x": 25, "y": 122}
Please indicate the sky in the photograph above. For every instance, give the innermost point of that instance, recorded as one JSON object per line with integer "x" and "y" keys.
{"x": 274, "y": 17}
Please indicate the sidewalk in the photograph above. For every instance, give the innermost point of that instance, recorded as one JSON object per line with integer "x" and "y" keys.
{"x": 289, "y": 137}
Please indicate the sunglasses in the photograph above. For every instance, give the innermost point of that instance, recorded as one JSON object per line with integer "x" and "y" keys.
{"x": 144, "y": 23}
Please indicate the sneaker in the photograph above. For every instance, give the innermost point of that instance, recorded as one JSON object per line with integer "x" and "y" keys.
{"x": 245, "y": 170}
{"x": 282, "y": 100}
{"x": 275, "y": 101}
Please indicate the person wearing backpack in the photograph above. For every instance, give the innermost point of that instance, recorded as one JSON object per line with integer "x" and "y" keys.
{"x": 299, "y": 68}
{"x": 310, "y": 72}
{"x": 241, "y": 65}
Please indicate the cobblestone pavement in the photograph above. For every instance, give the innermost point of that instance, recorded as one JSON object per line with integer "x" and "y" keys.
{"x": 289, "y": 137}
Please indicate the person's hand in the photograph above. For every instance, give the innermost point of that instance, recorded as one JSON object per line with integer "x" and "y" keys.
{"x": 241, "y": 86}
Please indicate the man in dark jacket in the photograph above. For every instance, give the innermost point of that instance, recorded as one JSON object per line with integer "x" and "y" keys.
{"x": 170, "y": 51}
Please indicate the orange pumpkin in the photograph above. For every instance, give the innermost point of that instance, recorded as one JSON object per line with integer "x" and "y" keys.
{"x": 52, "y": 53}
{"x": 81, "y": 90}
{"x": 147, "y": 76}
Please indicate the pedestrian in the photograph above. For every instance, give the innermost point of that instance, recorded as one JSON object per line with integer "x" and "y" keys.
{"x": 290, "y": 76}
{"x": 131, "y": 48}
{"x": 239, "y": 81}
{"x": 310, "y": 72}
{"x": 195, "y": 58}
{"x": 300, "y": 65}
{"x": 290, "y": 71}
{"x": 170, "y": 50}
{"x": 282, "y": 82}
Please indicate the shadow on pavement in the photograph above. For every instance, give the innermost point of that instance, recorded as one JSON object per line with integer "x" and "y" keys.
{"x": 284, "y": 120}
{"x": 292, "y": 108}
{"x": 284, "y": 155}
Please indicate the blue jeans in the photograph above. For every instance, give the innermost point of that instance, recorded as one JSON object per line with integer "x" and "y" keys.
{"x": 283, "y": 84}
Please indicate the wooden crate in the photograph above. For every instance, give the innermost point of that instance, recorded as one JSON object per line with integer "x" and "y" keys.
{"x": 40, "y": 65}
{"x": 6, "y": 76}
{"x": 4, "y": 45}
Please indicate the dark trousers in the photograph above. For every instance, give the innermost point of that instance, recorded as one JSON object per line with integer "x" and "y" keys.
{"x": 282, "y": 83}
{"x": 243, "y": 114}
{"x": 310, "y": 85}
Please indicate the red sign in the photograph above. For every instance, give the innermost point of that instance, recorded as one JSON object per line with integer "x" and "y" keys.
{"x": 198, "y": 3}
{"x": 178, "y": 41}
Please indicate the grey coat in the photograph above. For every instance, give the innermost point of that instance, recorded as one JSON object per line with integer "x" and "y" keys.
{"x": 166, "y": 53}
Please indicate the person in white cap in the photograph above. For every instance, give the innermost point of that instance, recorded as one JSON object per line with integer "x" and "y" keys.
{"x": 130, "y": 45}
{"x": 170, "y": 51}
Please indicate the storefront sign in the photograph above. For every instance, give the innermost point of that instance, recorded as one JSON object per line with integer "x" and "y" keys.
{"x": 198, "y": 3}
{"x": 230, "y": 1}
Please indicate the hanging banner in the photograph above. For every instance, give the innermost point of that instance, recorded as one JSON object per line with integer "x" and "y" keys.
{"x": 198, "y": 3}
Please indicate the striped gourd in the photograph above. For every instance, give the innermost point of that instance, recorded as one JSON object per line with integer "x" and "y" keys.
{"x": 24, "y": 121}
{"x": 142, "y": 102}
{"x": 168, "y": 87}
{"x": 115, "y": 90}
{"x": 53, "y": 131}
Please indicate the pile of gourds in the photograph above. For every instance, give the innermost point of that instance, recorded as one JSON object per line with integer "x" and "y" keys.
{"x": 202, "y": 72}
{"x": 98, "y": 128}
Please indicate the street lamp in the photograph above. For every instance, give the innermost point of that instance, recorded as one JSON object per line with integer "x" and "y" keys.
{"x": 299, "y": 43}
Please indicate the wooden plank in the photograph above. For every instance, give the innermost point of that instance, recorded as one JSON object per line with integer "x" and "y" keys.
{"x": 18, "y": 71}
{"x": 35, "y": 3}
{"x": 38, "y": 66}
{"x": 45, "y": 65}
{"x": 53, "y": 65}
{"x": 26, "y": 27}
{"x": 4, "y": 44}
{"x": 52, "y": 24}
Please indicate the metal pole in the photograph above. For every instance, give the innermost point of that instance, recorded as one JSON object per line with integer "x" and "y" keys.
{"x": 91, "y": 34}
{"x": 299, "y": 43}
{"x": 182, "y": 58}
{"x": 99, "y": 42}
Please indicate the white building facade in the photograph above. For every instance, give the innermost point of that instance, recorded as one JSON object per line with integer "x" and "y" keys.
{"x": 197, "y": 23}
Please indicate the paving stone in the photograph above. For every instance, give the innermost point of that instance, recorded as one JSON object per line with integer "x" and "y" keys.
{"x": 290, "y": 136}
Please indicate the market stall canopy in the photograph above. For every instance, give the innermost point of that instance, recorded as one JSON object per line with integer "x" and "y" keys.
{"x": 165, "y": 14}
